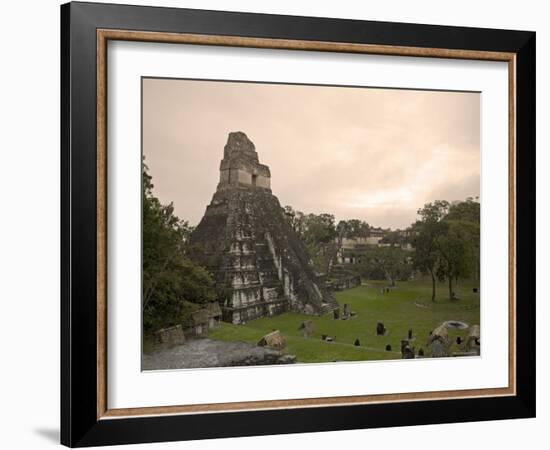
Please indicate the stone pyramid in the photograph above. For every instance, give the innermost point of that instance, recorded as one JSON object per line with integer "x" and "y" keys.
{"x": 260, "y": 264}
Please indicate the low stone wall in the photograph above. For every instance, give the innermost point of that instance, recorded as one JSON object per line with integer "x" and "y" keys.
{"x": 255, "y": 311}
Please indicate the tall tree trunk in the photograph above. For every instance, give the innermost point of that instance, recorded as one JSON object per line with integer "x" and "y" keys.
{"x": 433, "y": 285}
{"x": 390, "y": 278}
{"x": 451, "y": 297}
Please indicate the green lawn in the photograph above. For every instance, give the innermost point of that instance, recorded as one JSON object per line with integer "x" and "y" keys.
{"x": 396, "y": 309}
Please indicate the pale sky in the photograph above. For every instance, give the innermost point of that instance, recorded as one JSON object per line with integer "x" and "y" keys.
{"x": 358, "y": 153}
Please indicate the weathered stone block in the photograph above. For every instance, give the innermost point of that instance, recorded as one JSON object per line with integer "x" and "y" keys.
{"x": 307, "y": 328}
{"x": 439, "y": 342}
{"x": 171, "y": 336}
{"x": 473, "y": 341}
{"x": 273, "y": 340}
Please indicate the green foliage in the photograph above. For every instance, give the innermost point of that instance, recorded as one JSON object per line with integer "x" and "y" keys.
{"x": 459, "y": 246}
{"x": 322, "y": 237}
{"x": 353, "y": 228}
{"x": 425, "y": 234}
{"x": 319, "y": 234}
{"x": 169, "y": 277}
{"x": 446, "y": 241}
{"x": 389, "y": 262}
{"x": 319, "y": 229}
{"x": 468, "y": 211}
{"x": 394, "y": 238}
{"x": 296, "y": 219}
{"x": 397, "y": 309}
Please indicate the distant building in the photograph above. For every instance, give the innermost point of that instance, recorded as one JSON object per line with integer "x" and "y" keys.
{"x": 376, "y": 235}
{"x": 353, "y": 248}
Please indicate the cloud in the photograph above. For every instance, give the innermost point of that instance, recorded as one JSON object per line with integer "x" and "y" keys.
{"x": 372, "y": 154}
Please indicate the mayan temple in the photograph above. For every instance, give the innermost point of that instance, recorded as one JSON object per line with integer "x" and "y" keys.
{"x": 260, "y": 264}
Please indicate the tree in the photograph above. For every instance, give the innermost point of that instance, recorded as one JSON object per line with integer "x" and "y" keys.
{"x": 391, "y": 262}
{"x": 319, "y": 234}
{"x": 394, "y": 238}
{"x": 468, "y": 210}
{"x": 459, "y": 245}
{"x": 170, "y": 279}
{"x": 350, "y": 229}
{"x": 296, "y": 219}
{"x": 425, "y": 234}
{"x": 354, "y": 228}
{"x": 446, "y": 241}
{"x": 453, "y": 251}
{"x": 468, "y": 214}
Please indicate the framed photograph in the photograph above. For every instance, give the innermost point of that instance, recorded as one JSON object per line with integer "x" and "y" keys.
{"x": 278, "y": 224}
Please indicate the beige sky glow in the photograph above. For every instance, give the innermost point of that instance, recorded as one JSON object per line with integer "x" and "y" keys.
{"x": 371, "y": 154}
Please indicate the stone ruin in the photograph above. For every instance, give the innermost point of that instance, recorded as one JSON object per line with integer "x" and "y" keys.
{"x": 347, "y": 311}
{"x": 273, "y": 340}
{"x": 380, "y": 329}
{"x": 170, "y": 336}
{"x": 472, "y": 343}
{"x": 261, "y": 266}
{"x": 439, "y": 342}
{"x": 407, "y": 352}
{"x": 307, "y": 328}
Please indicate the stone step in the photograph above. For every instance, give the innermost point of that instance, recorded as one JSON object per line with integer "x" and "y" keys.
{"x": 270, "y": 280}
